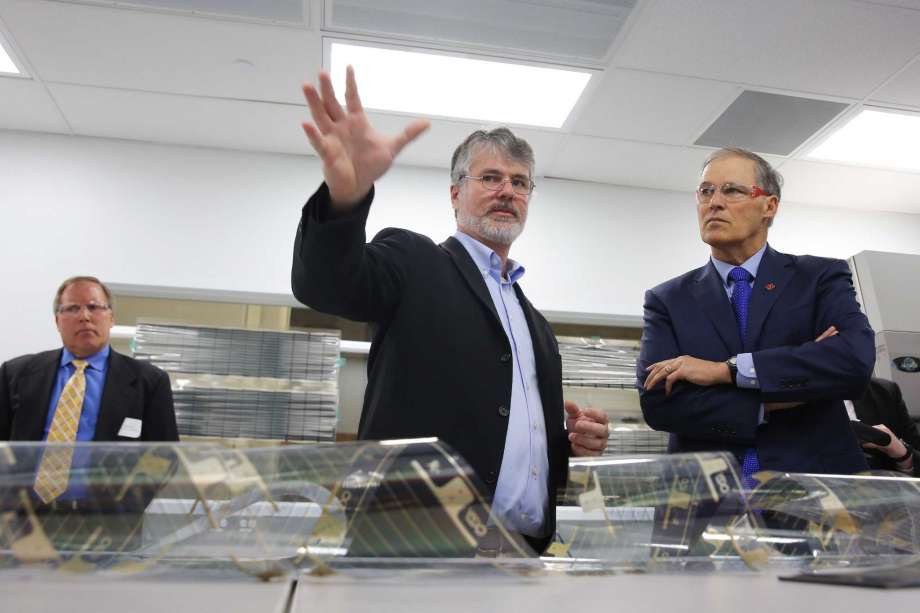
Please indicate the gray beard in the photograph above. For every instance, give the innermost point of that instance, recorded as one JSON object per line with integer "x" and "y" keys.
{"x": 501, "y": 233}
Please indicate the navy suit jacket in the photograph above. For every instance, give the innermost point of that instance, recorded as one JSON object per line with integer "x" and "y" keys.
{"x": 793, "y": 300}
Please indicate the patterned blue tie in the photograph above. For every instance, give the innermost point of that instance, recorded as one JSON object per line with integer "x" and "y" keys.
{"x": 741, "y": 296}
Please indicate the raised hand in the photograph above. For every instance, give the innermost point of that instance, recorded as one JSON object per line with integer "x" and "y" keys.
{"x": 354, "y": 154}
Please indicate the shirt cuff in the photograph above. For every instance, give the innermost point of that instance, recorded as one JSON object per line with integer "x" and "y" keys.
{"x": 747, "y": 375}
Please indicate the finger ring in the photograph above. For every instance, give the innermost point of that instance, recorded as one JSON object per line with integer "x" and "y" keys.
{"x": 667, "y": 368}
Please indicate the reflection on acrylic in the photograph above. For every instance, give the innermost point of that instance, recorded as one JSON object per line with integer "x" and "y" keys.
{"x": 326, "y": 508}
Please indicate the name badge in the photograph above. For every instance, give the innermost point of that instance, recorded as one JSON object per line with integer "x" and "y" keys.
{"x": 130, "y": 428}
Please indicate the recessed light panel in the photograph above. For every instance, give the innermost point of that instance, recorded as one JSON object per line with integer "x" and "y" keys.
{"x": 875, "y": 137}
{"x": 6, "y": 62}
{"x": 449, "y": 86}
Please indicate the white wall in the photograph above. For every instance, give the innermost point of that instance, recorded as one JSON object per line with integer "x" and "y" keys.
{"x": 137, "y": 213}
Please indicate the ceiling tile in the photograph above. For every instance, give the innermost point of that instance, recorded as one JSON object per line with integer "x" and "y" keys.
{"x": 560, "y": 30}
{"x": 652, "y": 107}
{"x": 834, "y": 47}
{"x": 25, "y": 105}
{"x": 69, "y": 43}
{"x": 286, "y": 11}
{"x": 629, "y": 163}
{"x": 852, "y": 187}
{"x": 187, "y": 120}
{"x": 907, "y": 4}
{"x": 903, "y": 89}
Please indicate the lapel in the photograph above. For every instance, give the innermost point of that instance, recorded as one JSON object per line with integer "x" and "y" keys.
{"x": 118, "y": 396}
{"x": 775, "y": 271}
{"x": 542, "y": 351}
{"x": 35, "y": 395}
{"x": 472, "y": 276}
{"x": 709, "y": 292}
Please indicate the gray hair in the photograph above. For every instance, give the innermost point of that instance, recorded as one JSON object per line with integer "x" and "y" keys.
{"x": 768, "y": 178}
{"x": 500, "y": 140}
{"x": 81, "y": 279}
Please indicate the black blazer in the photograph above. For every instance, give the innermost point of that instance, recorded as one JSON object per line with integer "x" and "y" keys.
{"x": 439, "y": 363}
{"x": 132, "y": 389}
{"x": 794, "y": 299}
{"x": 883, "y": 404}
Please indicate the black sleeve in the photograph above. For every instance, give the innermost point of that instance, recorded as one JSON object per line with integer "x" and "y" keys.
{"x": 838, "y": 367}
{"x": 903, "y": 425}
{"x": 335, "y": 271}
{"x": 723, "y": 413}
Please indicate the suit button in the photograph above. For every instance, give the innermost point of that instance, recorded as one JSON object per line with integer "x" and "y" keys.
{"x": 505, "y": 357}
{"x": 503, "y": 411}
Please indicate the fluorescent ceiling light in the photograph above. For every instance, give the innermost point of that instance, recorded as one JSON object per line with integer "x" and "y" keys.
{"x": 6, "y": 62}
{"x": 875, "y": 137}
{"x": 448, "y": 86}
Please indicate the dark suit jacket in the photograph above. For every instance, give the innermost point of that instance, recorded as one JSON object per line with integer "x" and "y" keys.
{"x": 883, "y": 404}
{"x": 132, "y": 389}
{"x": 794, "y": 299}
{"x": 439, "y": 364}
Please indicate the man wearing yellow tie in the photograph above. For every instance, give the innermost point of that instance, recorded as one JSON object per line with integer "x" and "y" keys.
{"x": 84, "y": 391}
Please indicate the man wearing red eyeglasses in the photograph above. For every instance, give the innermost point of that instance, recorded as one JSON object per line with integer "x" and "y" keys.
{"x": 755, "y": 351}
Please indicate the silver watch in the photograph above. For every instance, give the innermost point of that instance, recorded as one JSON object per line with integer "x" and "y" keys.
{"x": 733, "y": 368}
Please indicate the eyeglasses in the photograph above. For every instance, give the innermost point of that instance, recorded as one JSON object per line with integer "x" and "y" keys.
{"x": 520, "y": 185}
{"x": 730, "y": 191}
{"x": 73, "y": 310}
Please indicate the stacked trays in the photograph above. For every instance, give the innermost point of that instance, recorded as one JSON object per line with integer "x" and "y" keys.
{"x": 595, "y": 362}
{"x": 235, "y": 383}
{"x": 604, "y": 364}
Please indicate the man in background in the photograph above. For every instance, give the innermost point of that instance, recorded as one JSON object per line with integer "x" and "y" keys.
{"x": 882, "y": 406}
{"x": 84, "y": 391}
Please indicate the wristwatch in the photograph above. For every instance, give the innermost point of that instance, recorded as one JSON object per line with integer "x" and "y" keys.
{"x": 907, "y": 455}
{"x": 733, "y": 368}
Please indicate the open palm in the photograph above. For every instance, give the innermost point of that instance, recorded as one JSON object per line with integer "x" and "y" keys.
{"x": 354, "y": 154}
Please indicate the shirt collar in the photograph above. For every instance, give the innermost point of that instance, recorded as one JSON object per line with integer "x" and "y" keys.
{"x": 751, "y": 265}
{"x": 487, "y": 261}
{"x": 98, "y": 361}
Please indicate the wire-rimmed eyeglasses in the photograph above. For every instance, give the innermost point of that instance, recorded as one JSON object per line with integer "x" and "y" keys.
{"x": 520, "y": 185}
{"x": 72, "y": 310}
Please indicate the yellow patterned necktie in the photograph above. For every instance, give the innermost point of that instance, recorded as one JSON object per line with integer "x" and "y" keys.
{"x": 54, "y": 471}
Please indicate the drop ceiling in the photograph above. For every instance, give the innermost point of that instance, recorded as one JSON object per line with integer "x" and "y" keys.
{"x": 227, "y": 74}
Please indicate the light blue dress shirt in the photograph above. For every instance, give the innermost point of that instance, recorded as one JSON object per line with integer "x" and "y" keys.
{"x": 747, "y": 374}
{"x": 521, "y": 495}
{"x": 95, "y": 380}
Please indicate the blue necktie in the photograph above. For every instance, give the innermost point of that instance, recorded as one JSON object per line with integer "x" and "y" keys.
{"x": 741, "y": 296}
